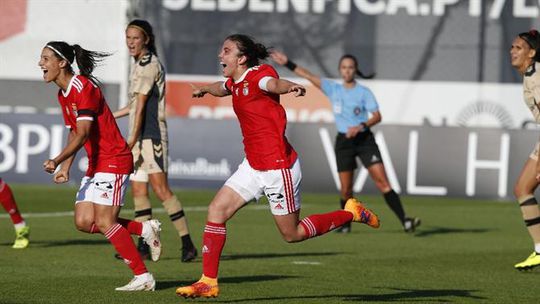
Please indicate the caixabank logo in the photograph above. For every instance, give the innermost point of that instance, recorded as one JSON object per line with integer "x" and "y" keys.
{"x": 12, "y": 18}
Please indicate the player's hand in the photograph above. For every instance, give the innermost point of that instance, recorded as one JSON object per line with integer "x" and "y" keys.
{"x": 298, "y": 90}
{"x": 279, "y": 57}
{"x": 353, "y": 131}
{"x": 49, "y": 166}
{"x": 61, "y": 177}
{"x": 197, "y": 91}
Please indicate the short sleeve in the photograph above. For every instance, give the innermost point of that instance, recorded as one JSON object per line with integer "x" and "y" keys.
{"x": 371, "y": 101}
{"x": 227, "y": 85}
{"x": 144, "y": 79}
{"x": 88, "y": 104}
{"x": 328, "y": 86}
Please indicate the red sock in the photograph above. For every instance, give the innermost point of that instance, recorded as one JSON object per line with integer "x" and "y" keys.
{"x": 121, "y": 240}
{"x": 319, "y": 224}
{"x": 132, "y": 226}
{"x": 213, "y": 242}
{"x": 8, "y": 202}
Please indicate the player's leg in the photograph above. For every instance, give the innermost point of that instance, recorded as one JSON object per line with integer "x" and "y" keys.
{"x": 346, "y": 191}
{"x": 141, "y": 205}
{"x": 283, "y": 189}
{"x": 378, "y": 173}
{"x": 524, "y": 192}
{"x": 224, "y": 205}
{"x": 176, "y": 213}
{"x": 345, "y": 152}
{"x": 22, "y": 231}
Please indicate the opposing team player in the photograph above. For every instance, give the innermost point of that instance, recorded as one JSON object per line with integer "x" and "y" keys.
{"x": 271, "y": 166}
{"x": 355, "y": 110}
{"x": 22, "y": 231}
{"x": 92, "y": 125}
{"x": 148, "y": 139}
{"x": 525, "y": 58}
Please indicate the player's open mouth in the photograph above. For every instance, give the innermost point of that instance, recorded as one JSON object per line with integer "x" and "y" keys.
{"x": 223, "y": 65}
{"x": 45, "y": 72}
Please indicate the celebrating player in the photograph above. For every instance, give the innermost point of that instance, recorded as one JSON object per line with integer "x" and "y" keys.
{"x": 525, "y": 55}
{"x": 148, "y": 134}
{"x": 271, "y": 166}
{"x": 353, "y": 104}
{"x": 92, "y": 125}
{"x": 22, "y": 231}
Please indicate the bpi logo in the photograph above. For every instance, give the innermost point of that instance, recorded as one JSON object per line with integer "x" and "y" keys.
{"x": 12, "y": 18}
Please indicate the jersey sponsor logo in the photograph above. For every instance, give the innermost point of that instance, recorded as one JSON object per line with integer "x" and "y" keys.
{"x": 205, "y": 249}
{"x": 278, "y": 207}
{"x": 104, "y": 195}
{"x": 374, "y": 158}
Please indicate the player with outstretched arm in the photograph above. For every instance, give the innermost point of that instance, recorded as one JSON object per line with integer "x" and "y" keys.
{"x": 271, "y": 166}
{"x": 92, "y": 125}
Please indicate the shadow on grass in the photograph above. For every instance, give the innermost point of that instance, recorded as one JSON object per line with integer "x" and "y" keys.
{"x": 399, "y": 295}
{"x": 429, "y": 231}
{"x": 276, "y": 255}
{"x": 72, "y": 242}
{"x": 160, "y": 285}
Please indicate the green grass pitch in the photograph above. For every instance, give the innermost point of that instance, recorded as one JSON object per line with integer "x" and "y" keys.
{"x": 463, "y": 252}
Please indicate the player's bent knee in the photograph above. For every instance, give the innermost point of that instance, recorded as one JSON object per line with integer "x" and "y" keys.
{"x": 83, "y": 224}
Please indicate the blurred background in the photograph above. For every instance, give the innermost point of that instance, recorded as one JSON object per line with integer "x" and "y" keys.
{"x": 454, "y": 120}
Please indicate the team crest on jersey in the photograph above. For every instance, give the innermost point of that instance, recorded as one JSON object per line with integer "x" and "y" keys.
{"x": 74, "y": 108}
{"x": 245, "y": 90}
{"x": 357, "y": 111}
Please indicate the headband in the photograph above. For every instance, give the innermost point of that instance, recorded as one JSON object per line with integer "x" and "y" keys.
{"x": 140, "y": 28}
{"x": 57, "y": 52}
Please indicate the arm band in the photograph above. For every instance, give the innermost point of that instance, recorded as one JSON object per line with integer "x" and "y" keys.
{"x": 290, "y": 65}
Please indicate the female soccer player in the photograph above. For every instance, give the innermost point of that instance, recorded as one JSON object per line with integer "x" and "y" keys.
{"x": 22, "y": 231}
{"x": 148, "y": 134}
{"x": 271, "y": 166}
{"x": 92, "y": 125}
{"x": 525, "y": 58}
{"x": 353, "y": 104}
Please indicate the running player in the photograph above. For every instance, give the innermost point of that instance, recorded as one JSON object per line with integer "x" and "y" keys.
{"x": 271, "y": 166}
{"x": 92, "y": 125}
{"x": 22, "y": 231}
{"x": 356, "y": 111}
{"x": 148, "y": 135}
{"x": 525, "y": 58}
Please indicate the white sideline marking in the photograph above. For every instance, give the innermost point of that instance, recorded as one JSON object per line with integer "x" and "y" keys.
{"x": 154, "y": 210}
{"x": 305, "y": 263}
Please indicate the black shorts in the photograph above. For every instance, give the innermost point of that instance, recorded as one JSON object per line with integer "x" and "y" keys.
{"x": 363, "y": 146}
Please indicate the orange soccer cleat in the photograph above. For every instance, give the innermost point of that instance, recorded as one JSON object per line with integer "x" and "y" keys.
{"x": 362, "y": 214}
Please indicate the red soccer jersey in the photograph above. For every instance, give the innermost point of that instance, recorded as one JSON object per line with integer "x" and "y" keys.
{"x": 262, "y": 120}
{"x": 107, "y": 150}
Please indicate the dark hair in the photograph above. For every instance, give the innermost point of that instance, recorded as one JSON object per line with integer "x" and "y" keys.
{"x": 86, "y": 60}
{"x": 358, "y": 72}
{"x": 532, "y": 38}
{"x": 253, "y": 51}
{"x": 147, "y": 30}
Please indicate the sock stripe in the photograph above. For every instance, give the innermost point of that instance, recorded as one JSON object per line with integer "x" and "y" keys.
{"x": 215, "y": 230}
{"x": 112, "y": 230}
{"x": 530, "y": 202}
{"x": 312, "y": 231}
{"x": 143, "y": 212}
{"x": 532, "y": 222}
{"x": 176, "y": 216}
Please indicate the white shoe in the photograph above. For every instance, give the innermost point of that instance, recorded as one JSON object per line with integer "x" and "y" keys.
{"x": 143, "y": 282}
{"x": 150, "y": 233}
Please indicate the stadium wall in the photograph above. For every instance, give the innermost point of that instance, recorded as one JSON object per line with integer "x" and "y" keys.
{"x": 420, "y": 160}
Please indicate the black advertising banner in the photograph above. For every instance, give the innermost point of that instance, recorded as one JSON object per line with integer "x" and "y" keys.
{"x": 420, "y": 160}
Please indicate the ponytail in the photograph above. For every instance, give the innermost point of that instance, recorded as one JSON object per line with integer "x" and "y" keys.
{"x": 358, "y": 72}
{"x": 86, "y": 60}
{"x": 254, "y": 51}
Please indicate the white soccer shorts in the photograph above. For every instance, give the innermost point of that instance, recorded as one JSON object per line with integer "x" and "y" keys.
{"x": 103, "y": 189}
{"x": 281, "y": 186}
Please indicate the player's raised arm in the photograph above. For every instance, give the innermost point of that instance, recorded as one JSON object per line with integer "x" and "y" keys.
{"x": 282, "y": 86}
{"x": 216, "y": 89}
{"x": 282, "y": 59}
